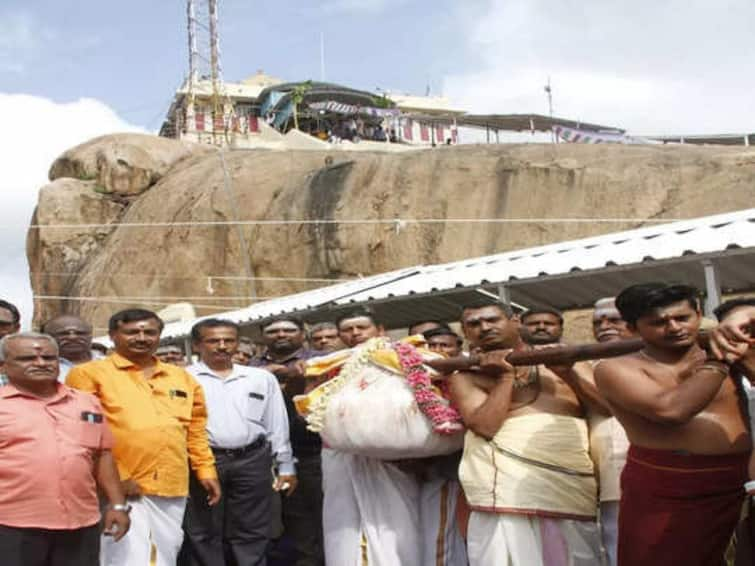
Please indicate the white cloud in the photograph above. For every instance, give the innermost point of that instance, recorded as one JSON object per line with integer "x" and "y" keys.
{"x": 36, "y": 131}
{"x": 651, "y": 67}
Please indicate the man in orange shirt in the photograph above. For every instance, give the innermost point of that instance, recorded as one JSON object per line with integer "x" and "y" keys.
{"x": 51, "y": 518}
{"x": 158, "y": 416}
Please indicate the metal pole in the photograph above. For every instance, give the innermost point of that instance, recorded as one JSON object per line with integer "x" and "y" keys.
{"x": 712, "y": 287}
{"x": 549, "y": 92}
{"x": 504, "y": 294}
{"x": 193, "y": 52}
{"x": 214, "y": 63}
{"x": 188, "y": 350}
{"x": 214, "y": 48}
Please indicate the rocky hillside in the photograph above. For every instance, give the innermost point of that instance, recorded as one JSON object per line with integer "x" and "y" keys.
{"x": 132, "y": 216}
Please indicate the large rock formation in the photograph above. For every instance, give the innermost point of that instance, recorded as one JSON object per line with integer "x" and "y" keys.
{"x": 177, "y": 239}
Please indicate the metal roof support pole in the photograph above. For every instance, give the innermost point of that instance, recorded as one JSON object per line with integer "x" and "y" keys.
{"x": 747, "y": 140}
{"x": 187, "y": 349}
{"x": 712, "y": 287}
{"x": 487, "y": 133}
{"x": 504, "y": 294}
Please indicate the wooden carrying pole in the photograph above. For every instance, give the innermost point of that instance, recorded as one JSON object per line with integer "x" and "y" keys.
{"x": 555, "y": 355}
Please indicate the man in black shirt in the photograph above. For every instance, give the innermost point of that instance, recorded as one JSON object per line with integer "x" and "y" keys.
{"x": 302, "y": 511}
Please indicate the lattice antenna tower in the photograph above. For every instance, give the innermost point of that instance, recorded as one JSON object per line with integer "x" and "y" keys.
{"x": 204, "y": 53}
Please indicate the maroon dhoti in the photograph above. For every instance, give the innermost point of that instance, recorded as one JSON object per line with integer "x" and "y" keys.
{"x": 679, "y": 509}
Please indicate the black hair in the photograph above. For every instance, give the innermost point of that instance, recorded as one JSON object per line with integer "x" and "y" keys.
{"x": 132, "y": 315}
{"x": 361, "y": 312}
{"x": 420, "y": 321}
{"x": 726, "y": 307}
{"x": 283, "y": 318}
{"x": 13, "y": 310}
{"x": 442, "y": 331}
{"x": 504, "y": 307}
{"x": 543, "y": 310}
{"x": 196, "y": 330}
{"x": 318, "y": 326}
{"x": 45, "y": 325}
{"x": 638, "y": 300}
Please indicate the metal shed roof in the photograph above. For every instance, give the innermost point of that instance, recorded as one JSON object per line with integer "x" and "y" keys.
{"x": 527, "y": 122}
{"x": 746, "y": 138}
{"x": 564, "y": 275}
{"x": 576, "y": 273}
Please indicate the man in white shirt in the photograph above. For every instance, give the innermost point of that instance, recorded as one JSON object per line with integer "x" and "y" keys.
{"x": 247, "y": 426}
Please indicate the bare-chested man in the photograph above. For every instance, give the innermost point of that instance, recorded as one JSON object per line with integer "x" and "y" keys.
{"x": 681, "y": 489}
{"x": 526, "y": 469}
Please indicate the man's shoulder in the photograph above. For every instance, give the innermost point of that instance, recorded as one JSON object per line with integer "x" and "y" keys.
{"x": 93, "y": 367}
{"x": 306, "y": 354}
{"x": 632, "y": 360}
{"x": 609, "y": 369}
{"x": 176, "y": 372}
{"x": 83, "y": 399}
{"x": 252, "y": 372}
{"x": 195, "y": 369}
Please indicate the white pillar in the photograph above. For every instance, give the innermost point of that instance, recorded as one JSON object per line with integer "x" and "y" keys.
{"x": 504, "y": 294}
{"x": 712, "y": 287}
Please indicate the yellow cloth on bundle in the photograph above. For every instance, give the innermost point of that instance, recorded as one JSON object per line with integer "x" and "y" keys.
{"x": 537, "y": 464}
{"x": 386, "y": 357}
{"x": 383, "y": 357}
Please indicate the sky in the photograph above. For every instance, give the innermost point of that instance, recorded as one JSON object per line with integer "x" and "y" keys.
{"x": 73, "y": 70}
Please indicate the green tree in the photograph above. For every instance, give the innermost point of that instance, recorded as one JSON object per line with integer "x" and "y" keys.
{"x": 297, "y": 97}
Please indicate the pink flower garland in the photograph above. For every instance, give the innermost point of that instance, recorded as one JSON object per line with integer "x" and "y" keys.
{"x": 444, "y": 418}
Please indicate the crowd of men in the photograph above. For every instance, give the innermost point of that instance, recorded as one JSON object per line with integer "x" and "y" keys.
{"x": 147, "y": 454}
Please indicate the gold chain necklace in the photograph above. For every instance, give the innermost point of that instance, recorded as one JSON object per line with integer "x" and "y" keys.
{"x": 533, "y": 376}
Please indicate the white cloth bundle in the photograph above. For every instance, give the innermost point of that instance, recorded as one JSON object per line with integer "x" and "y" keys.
{"x": 375, "y": 414}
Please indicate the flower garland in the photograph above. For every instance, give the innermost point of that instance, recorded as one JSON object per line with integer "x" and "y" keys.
{"x": 444, "y": 418}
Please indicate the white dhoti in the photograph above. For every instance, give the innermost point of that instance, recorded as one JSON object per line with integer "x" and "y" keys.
{"x": 370, "y": 512}
{"x": 609, "y": 530}
{"x": 442, "y": 543}
{"x": 497, "y": 539}
{"x": 154, "y": 521}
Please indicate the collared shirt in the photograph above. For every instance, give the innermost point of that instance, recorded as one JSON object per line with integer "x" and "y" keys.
{"x": 48, "y": 448}
{"x": 158, "y": 423}
{"x": 303, "y": 440}
{"x": 243, "y": 407}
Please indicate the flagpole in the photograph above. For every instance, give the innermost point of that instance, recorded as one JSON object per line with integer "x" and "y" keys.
{"x": 549, "y": 92}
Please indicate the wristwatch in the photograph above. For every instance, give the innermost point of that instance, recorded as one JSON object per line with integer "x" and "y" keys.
{"x": 125, "y": 507}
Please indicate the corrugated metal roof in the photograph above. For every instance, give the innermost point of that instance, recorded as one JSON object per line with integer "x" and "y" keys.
{"x": 527, "y": 122}
{"x": 709, "y": 235}
{"x": 563, "y": 275}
